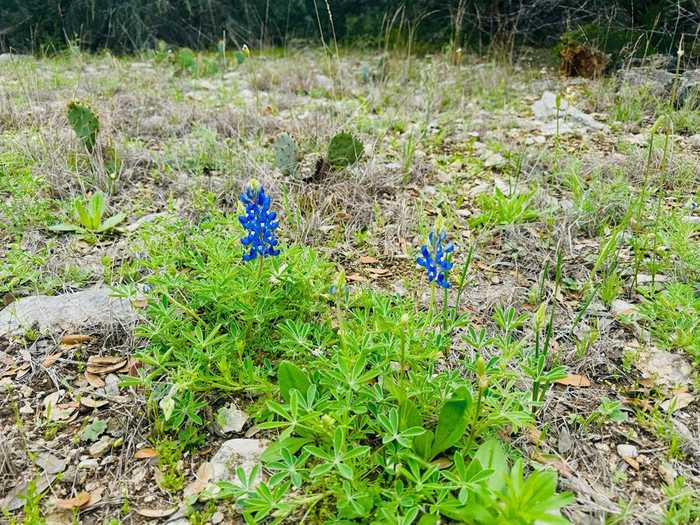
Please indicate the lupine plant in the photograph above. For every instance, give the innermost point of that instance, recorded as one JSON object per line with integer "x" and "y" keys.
{"x": 356, "y": 438}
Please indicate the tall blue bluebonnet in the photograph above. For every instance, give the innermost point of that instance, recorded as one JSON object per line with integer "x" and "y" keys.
{"x": 260, "y": 223}
{"x": 435, "y": 258}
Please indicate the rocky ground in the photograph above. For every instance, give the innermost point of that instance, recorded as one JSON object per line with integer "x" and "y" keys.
{"x": 621, "y": 429}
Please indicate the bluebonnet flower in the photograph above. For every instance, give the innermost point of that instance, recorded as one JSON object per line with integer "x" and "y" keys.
{"x": 435, "y": 258}
{"x": 260, "y": 222}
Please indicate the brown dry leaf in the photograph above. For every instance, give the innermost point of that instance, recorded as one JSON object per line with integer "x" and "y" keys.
{"x": 139, "y": 303}
{"x": 82, "y": 499}
{"x": 553, "y": 461}
{"x": 94, "y": 380}
{"x": 51, "y": 359}
{"x": 366, "y": 259}
{"x": 204, "y": 473}
{"x": 96, "y": 496}
{"x": 74, "y": 339}
{"x": 343, "y": 216}
{"x": 378, "y": 271}
{"x": 356, "y": 278}
{"x": 93, "y": 403}
{"x": 105, "y": 364}
{"x": 679, "y": 401}
{"x": 145, "y": 453}
{"x": 534, "y": 436}
{"x": 132, "y": 367}
{"x": 574, "y": 380}
{"x": 156, "y": 513}
{"x": 22, "y": 371}
{"x": 631, "y": 462}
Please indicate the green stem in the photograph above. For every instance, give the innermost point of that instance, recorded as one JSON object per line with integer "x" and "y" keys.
{"x": 261, "y": 262}
{"x": 477, "y": 414}
{"x": 445, "y": 308}
{"x": 186, "y": 309}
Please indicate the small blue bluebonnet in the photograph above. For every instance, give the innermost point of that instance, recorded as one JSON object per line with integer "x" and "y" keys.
{"x": 260, "y": 222}
{"x": 435, "y": 258}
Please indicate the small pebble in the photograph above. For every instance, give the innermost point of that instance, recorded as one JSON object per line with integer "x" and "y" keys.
{"x": 627, "y": 451}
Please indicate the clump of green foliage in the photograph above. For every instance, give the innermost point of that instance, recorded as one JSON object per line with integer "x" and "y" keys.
{"x": 366, "y": 428}
{"x": 673, "y": 316}
{"x": 500, "y": 208}
{"x": 88, "y": 217}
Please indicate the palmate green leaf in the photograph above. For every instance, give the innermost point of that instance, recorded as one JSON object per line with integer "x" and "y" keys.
{"x": 533, "y": 499}
{"x": 290, "y": 376}
{"x": 452, "y": 423}
{"x": 320, "y": 470}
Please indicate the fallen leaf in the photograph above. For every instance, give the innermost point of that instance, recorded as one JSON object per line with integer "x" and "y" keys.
{"x": 378, "y": 271}
{"x": 93, "y": 403}
{"x": 17, "y": 497}
{"x": 96, "y": 496}
{"x": 82, "y": 499}
{"x": 146, "y": 453}
{"x": 155, "y": 513}
{"x": 632, "y": 462}
{"x": 94, "y": 380}
{"x": 574, "y": 380}
{"x": 133, "y": 366}
{"x": 366, "y": 259}
{"x": 204, "y": 473}
{"x": 355, "y": 277}
{"x": 74, "y": 339}
{"x": 105, "y": 364}
{"x": 553, "y": 461}
{"x": 139, "y": 303}
{"x": 51, "y": 359}
{"x": 678, "y": 401}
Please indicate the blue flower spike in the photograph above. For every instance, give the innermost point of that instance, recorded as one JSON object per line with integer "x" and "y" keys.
{"x": 435, "y": 258}
{"x": 259, "y": 222}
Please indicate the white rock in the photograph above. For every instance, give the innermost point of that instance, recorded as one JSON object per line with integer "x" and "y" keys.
{"x": 50, "y": 463}
{"x": 88, "y": 464}
{"x": 324, "y": 82}
{"x": 545, "y": 109}
{"x": 94, "y": 306}
{"x": 620, "y": 307}
{"x": 666, "y": 368}
{"x": 627, "y": 451}
{"x": 236, "y": 453}
{"x": 100, "y": 448}
{"x": 694, "y": 140}
{"x": 112, "y": 385}
{"x": 231, "y": 419}
{"x": 494, "y": 160}
{"x": 217, "y": 517}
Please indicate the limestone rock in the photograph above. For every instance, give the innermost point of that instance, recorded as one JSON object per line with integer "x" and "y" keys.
{"x": 50, "y": 314}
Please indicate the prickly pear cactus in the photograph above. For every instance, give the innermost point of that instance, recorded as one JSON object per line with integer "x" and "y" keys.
{"x": 344, "y": 150}
{"x": 84, "y": 122}
{"x": 286, "y": 154}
